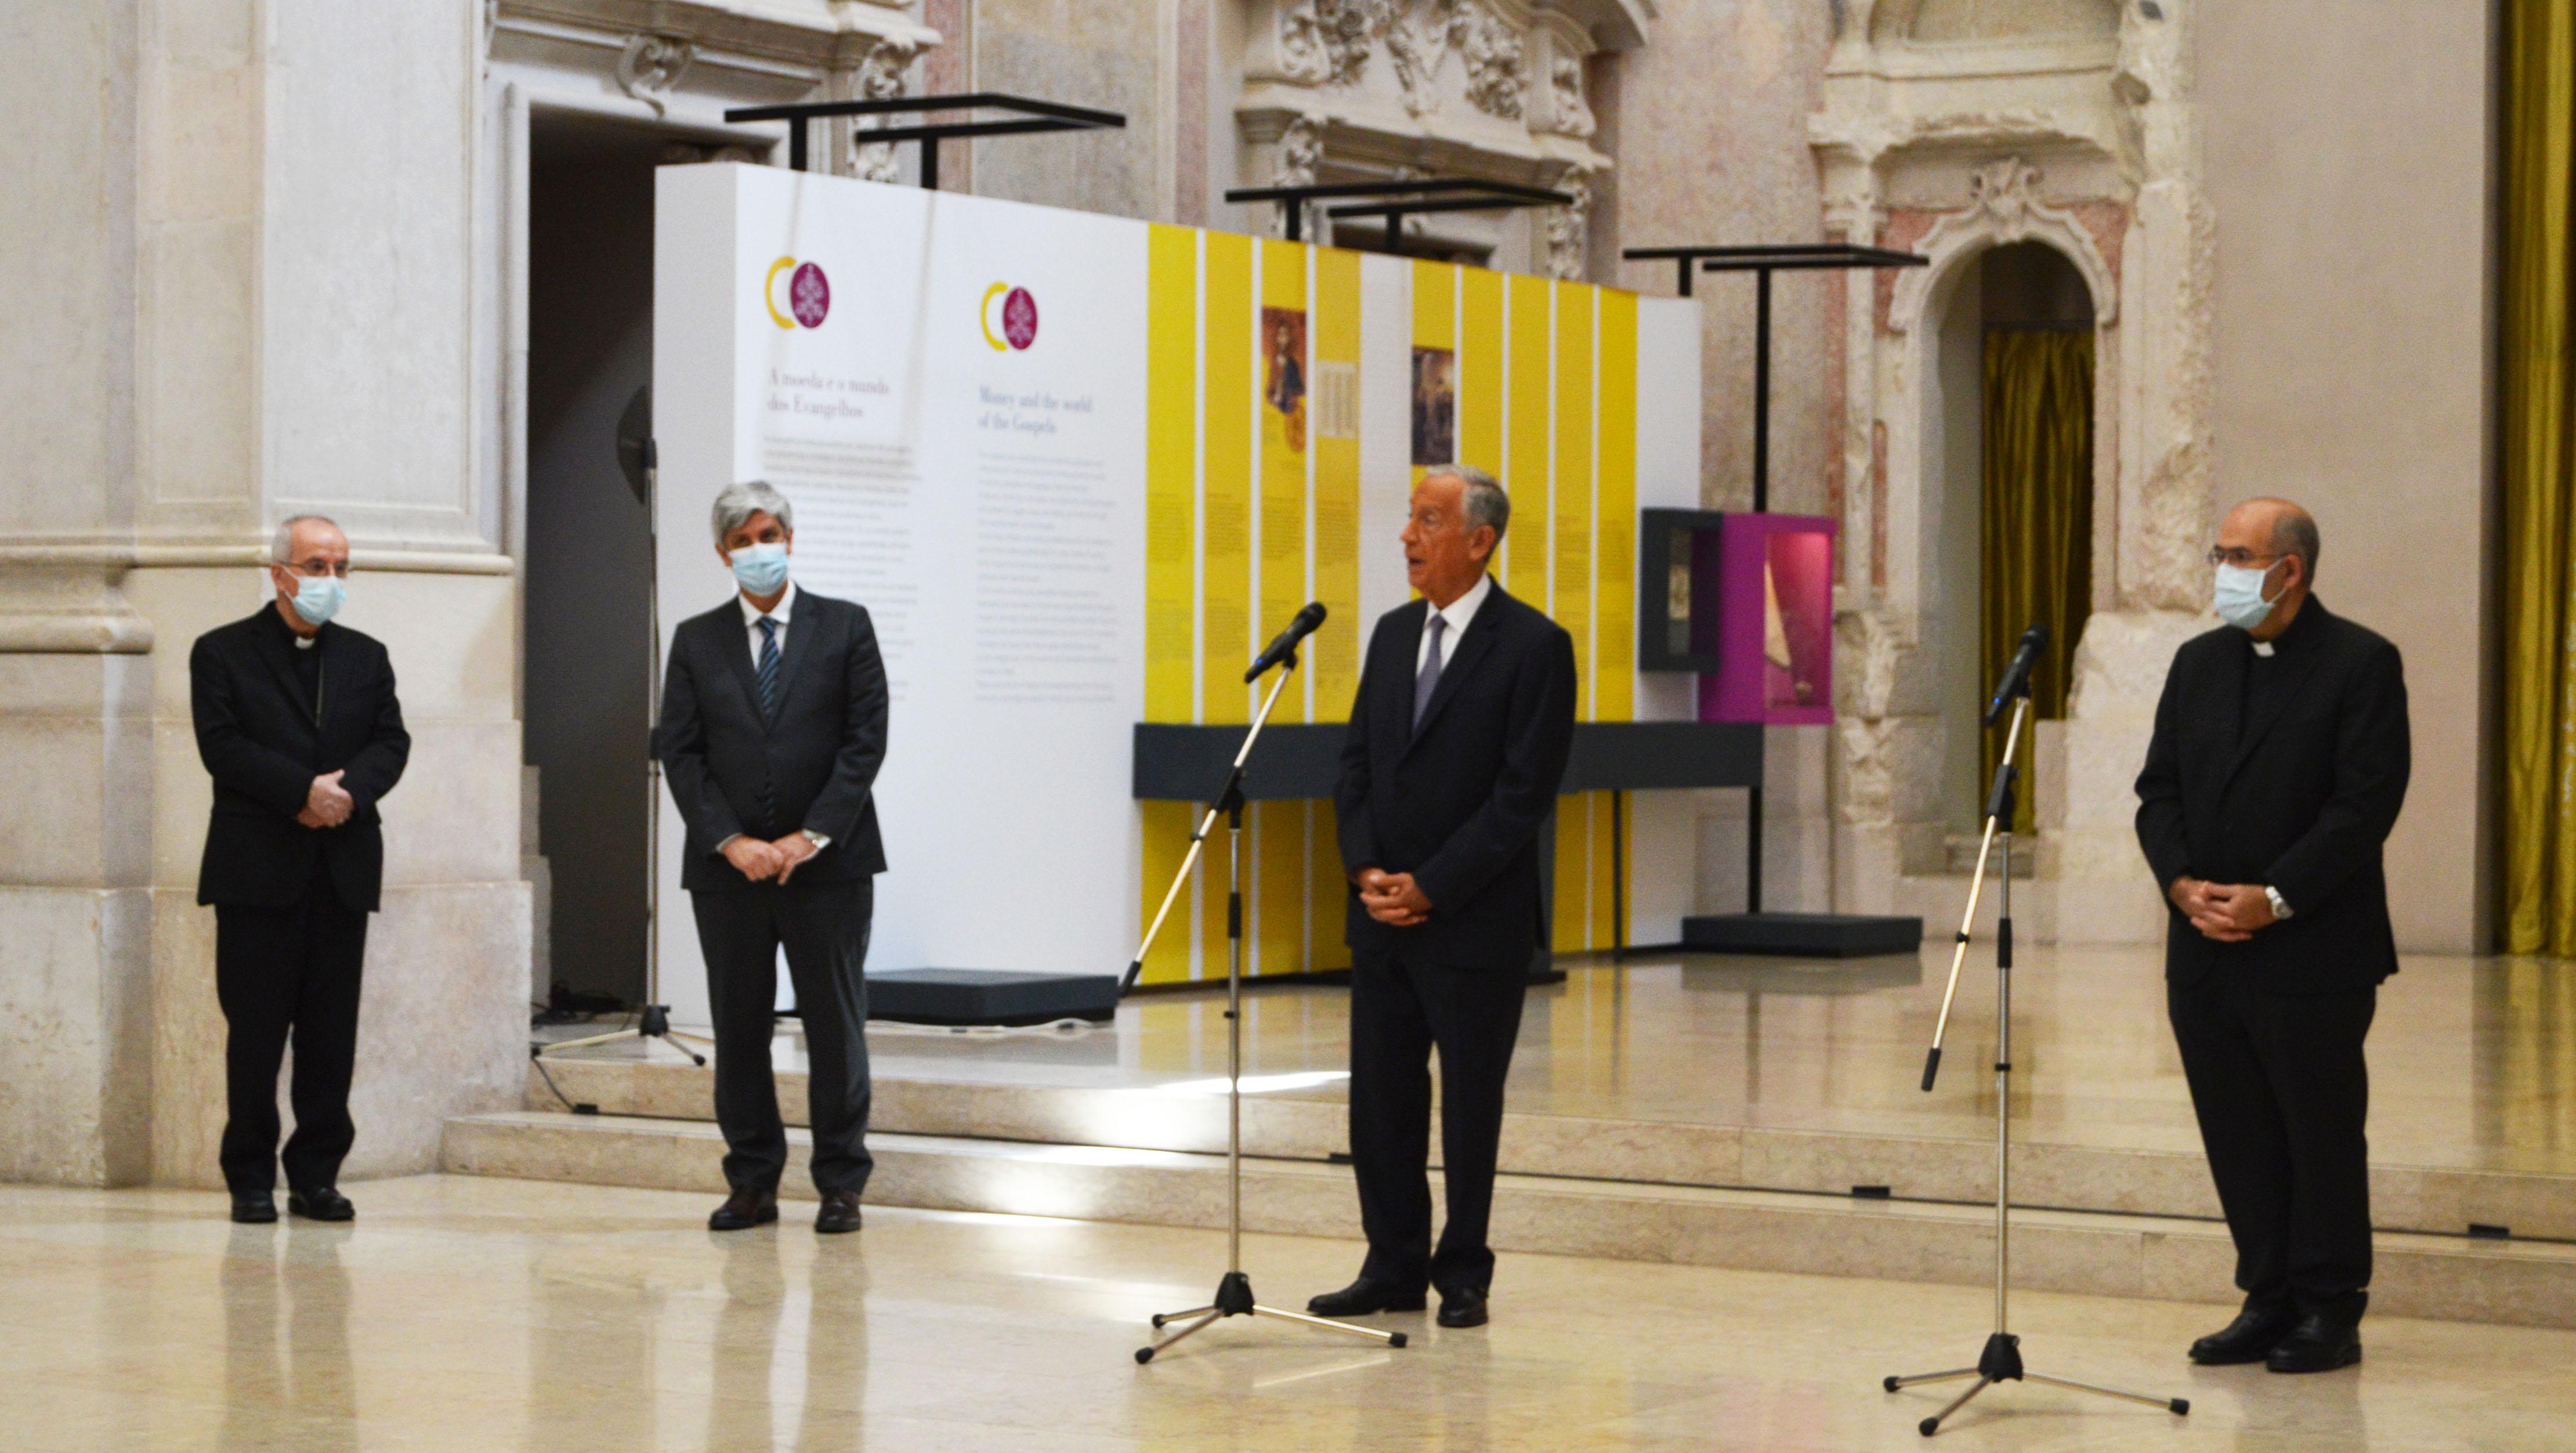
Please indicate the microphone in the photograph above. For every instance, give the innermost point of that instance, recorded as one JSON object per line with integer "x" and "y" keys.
{"x": 2016, "y": 679}
{"x": 1284, "y": 645}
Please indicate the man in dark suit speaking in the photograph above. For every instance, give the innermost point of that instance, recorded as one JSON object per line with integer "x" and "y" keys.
{"x": 1457, "y": 742}
{"x": 2277, "y": 768}
{"x": 773, "y": 727}
{"x": 298, "y": 724}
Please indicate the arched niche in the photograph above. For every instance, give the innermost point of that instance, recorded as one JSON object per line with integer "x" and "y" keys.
{"x": 1989, "y": 287}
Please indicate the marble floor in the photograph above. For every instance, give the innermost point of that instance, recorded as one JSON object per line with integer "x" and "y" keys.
{"x": 486, "y": 1314}
{"x": 2473, "y": 1060}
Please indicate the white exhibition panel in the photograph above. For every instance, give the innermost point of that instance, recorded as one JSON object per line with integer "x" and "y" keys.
{"x": 979, "y": 486}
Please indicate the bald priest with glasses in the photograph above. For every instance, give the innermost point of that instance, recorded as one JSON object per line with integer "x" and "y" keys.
{"x": 2277, "y": 768}
{"x": 297, "y": 723}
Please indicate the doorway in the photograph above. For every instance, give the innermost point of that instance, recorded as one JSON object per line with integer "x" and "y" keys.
{"x": 2015, "y": 380}
{"x": 589, "y": 546}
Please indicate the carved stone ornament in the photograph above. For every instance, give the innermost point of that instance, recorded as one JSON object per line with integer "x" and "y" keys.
{"x": 1493, "y": 56}
{"x": 1569, "y": 229}
{"x": 1301, "y": 151}
{"x": 879, "y": 78}
{"x": 651, "y": 66}
{"x": 2003, "y": 206}
{"x": 1572, "y": 115}
{"x": 1326, "y": 42}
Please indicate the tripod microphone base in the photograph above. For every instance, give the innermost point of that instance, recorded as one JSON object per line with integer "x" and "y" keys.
{"x": 2000, "y": 1361}
{"x": 1234, "y": 1299}
{"x": 653, "y": 1021}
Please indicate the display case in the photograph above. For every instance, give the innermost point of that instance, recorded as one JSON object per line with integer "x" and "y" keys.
{"x": 1775, "y": 588}
{"x": 1678, "y": 566}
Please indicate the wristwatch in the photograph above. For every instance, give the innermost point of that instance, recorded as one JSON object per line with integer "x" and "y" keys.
{"x": 2280, "y": 909}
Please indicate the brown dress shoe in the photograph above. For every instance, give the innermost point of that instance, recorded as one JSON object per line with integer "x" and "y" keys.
{"x": 840, "y": 1212}
{"x": 743, "y": 1210}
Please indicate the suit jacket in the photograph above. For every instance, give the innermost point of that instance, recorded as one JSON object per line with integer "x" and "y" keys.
{"x": 815, "y": 768}
{"x": 263, "y": 740}
{"x": 1459, "y": 803}
{"x": 2301, "y": 799}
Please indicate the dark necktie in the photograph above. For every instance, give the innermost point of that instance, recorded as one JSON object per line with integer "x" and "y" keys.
{"x": 767, "y": 672}
{"x": 1427, "y": 680}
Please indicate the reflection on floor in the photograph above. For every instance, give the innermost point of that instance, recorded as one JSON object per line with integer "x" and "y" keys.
{"x": 2473, "y": 1061}
{"x": 487, "y": 1314}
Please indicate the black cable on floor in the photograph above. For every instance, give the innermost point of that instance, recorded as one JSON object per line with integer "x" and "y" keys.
{"x": 536, "y": 1057}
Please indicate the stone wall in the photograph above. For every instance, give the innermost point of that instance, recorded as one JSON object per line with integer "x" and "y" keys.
{"x": 256, "y": 254}
{"x": 2349, "y": 176}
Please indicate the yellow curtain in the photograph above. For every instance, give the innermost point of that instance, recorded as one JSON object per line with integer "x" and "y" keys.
{"x": 2037, "y": 519}
{"x": 2539, "y": 432}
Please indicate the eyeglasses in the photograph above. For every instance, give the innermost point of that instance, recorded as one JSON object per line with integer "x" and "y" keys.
{"x": 2226, "y": 555}
{"x": 317, "y": 567}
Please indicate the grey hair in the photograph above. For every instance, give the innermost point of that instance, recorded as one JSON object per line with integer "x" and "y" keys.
{"x": 2294, "y": 532}
{"x": 281, "y": 547}
{"x": 1485, "y": 502}
{"x": 739, "y": 502}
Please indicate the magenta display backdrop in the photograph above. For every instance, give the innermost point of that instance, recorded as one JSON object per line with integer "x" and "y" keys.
{"x": 1776, "y": 622}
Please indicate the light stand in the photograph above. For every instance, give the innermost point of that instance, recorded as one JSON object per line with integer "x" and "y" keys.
{"x": 2000, "y": 1361}
{"x": 653, "y": 1017}
{"x": 1234, "y": 1289}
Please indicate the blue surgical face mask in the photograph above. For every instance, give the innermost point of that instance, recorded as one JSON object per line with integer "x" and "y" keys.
{"x": 319, "y": 597}
{"x": 2238, "y": 596}
{"x": 761, "y": 569}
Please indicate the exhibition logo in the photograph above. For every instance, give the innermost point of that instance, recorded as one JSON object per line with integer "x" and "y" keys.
{"x": 1012, "y": 312}
{"x": 808, "y": 294}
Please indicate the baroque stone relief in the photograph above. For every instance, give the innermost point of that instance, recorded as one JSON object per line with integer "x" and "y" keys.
{"x": 1933, "y": 140}
{"x": 651, "y": 67}
{"x": 2003, "y": 206}
{"x": 1570, "y": 114}
{"x": 878, "y": 78}
{"x": 1329, "y": 43}
{"x": 1569, "y": 229}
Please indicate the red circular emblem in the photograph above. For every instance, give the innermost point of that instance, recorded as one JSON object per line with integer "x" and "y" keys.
{"x": 809, "y": 296}
{"x": 1020, "y": 318}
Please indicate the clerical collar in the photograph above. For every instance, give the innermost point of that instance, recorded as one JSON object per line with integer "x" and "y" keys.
{"x": 2302, "y": 628}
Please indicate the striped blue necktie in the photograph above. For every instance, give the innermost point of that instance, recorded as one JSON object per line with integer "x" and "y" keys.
{"x": 768, "y": 667}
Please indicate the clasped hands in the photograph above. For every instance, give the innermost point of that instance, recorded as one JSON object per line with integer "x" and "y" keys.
{"x": 1391, "y": 898}
{"x": 762, "y": 861}
{"x": 326, "y": 803}
{"x": 2227, "y": 912}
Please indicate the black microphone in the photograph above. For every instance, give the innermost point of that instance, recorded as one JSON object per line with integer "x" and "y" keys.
{"x": 1284, "y": 645}
{"x": 2016, "y": 680}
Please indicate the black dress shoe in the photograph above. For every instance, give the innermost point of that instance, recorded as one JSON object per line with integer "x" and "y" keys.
{"x": 258, "y": 1208}
{"x": 1365, "y": 1296}
{"x": 2320, "y": 1343}
{"x": 840, "y": 1212}
{"x": 1464, "y": 1307}
{"x": 2250, "y": 1338}
{"x": 743, "y": 1210}
{"x": 322, "y": 1203}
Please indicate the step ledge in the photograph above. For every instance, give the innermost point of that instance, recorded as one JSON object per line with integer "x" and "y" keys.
{"x": 1802, "y": 1202}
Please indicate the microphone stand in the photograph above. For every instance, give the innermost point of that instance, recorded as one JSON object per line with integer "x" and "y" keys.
{"x": 653, "y": 1017}
{"x": 1234, "y": 1289}
{"x": 2000, "y": 1360}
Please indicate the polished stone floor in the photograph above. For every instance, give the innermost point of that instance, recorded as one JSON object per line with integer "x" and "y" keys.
{"x": 461, "y": 1313}
{"x": 2473, "y": 1060}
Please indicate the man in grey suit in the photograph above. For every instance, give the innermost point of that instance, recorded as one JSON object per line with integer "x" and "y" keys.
{"x": 773, "y": 727}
